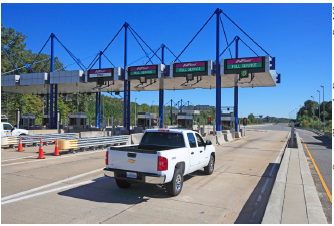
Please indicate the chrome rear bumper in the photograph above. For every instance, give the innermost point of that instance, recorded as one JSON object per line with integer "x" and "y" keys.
{"x": 146, "y": 178}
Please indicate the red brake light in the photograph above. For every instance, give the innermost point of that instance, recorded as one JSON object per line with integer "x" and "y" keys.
{"x": 106, "y": 157}
{"x": 162, "y": 163}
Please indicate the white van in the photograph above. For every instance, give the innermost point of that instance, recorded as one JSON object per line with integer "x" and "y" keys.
{"x": 7, "y": 130}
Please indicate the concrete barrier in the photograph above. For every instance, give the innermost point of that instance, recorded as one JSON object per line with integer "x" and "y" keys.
{"x": 93, "y": 134}
{"x": 228, "y": 137}
{"x": 238, "y": 135}
{"x": 226, "y": 131}
{"x": 135, "y": 138}
{"x": 44, "y": 131}
{"x": 211, "y": 138}
{"x": 220, "y": 139}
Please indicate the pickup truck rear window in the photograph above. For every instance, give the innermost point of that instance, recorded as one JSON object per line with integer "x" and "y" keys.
{"x": 163, "y": 139}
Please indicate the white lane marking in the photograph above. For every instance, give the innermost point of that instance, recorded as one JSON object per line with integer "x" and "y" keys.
{"x": 59, "y": 157}
{"x": 18, "y": 158}
{"x": 49, "y": 191}
{"x": 50, "y": 185}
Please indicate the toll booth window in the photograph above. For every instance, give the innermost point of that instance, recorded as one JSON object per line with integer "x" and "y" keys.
{"x": 200, "y": 141}
{"x": 163, "y": 139}
{"x": 7, "y": 127}
{"x": 192, "y": 141}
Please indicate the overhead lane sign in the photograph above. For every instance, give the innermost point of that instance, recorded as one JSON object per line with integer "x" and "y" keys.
{"x": 102, "y": 75}
{"x": 190, "y": 67}
{"x": 189, "y": 70}
{"x": 144, "y": 72}
{"x": 243, "y": 63}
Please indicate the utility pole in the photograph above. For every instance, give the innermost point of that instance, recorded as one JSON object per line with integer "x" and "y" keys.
{"x": 319, "y": 108}
{"x": 313, "y": 111}
{"x": 323, "y": 104}
{"x": 135, "y": 111}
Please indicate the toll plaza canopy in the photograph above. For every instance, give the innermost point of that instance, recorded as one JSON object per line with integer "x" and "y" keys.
{"x": 241, "y": 72}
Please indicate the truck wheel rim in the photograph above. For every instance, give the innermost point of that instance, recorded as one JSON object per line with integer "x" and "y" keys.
{"x": 211, "y": 165}
{"x": 178, "y": 182}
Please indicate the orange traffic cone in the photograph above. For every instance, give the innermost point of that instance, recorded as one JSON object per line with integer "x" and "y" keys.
{"x": 20, "y": 148}
{"x": 40, "y": 150}
{"x": 56, "y": 148}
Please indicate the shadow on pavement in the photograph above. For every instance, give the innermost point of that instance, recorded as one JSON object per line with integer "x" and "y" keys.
{"x": 253, "y": 210}
{"x": 105, "y": 190}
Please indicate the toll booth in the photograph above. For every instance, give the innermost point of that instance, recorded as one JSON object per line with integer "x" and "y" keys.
{"x": 4, "y": 118}
{"x": 28, "y": 120}
{"x": 45, "y": 120}
{"x": 78, "y": 120}
{"x": 147, "y": 118}
{"x": 185, "y": 120}
{"x": 227, "y": 121}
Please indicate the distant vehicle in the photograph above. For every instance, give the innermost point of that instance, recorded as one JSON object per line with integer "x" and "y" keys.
{"x": 162, "y": 157}
{"x": 7, "y": 130}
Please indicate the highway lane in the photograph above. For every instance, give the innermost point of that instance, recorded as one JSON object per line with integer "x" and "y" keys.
{"x": 237, "y": 192}
{"x": 320, "y": 148}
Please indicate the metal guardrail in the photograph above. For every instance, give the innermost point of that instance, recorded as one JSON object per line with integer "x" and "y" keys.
{"x": 46, "y": 138}
{"x": 99, "y": 142}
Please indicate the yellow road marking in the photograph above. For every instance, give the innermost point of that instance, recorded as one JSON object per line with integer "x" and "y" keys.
{"x": 319, "y": 174}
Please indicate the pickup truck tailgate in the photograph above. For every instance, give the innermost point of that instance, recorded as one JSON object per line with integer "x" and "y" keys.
{"x": 132, "y": 161}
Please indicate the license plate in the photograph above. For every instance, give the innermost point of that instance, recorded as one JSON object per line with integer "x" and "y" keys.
{"x": 131, "y": 175}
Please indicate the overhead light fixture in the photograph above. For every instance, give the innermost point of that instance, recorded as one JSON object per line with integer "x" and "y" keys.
{"x": 142, "y": 79}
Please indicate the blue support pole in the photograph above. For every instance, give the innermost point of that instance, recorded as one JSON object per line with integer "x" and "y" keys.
{"x": 125, "y": 81}
{"x": 161, "y": 93}
{"x": 56, "y": 107}
{"x": 236, "y": 120}
{"x": 181, "y": 106}
{"x": 96, "y": 109}
{"x": 218, "y": 78}
{"x": 128, "y": 107}
{"x": 99, "y": 100}
{"x": 51, "y": 109}
{"x": 171, "y": 112}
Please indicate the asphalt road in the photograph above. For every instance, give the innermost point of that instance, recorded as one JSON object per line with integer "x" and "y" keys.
{"x": 72, "y": 188}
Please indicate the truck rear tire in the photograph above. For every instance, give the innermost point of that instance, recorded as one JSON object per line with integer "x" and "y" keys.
{"x": 175, "y": 186}
{"x": 122, "y": 183}
{"x": 210, "y": 167}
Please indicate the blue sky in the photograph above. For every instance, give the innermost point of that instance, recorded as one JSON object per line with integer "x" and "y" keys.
{"x": 298, "y": 35}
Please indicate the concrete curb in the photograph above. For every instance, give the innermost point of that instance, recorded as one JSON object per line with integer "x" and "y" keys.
{"x": 315, "y": 213}
{"x": 274, "y": 209}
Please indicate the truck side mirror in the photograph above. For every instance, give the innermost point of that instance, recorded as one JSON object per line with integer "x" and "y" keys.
{"x": 208, "y": 142}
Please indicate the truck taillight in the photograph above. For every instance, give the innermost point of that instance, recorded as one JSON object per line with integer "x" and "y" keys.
{"x": 162, "y": 163}
{"x": 106, "y": 157}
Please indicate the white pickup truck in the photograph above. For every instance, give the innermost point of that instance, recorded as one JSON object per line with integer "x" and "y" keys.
{"x": 7, "y": 130}
{"x": 162, "y": 157}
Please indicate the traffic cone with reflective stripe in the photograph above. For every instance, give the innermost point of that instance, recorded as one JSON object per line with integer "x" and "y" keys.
{"x": 20, "y": 148}
{"x": 56, "y": 148}
{"x": 40, "y": 150}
